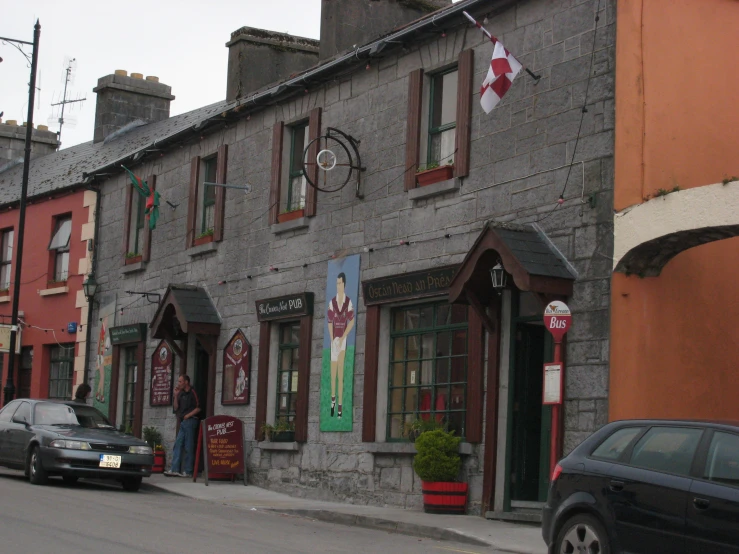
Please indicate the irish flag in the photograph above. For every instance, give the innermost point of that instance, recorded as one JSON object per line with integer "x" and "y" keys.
{"x": 152, "y": 197}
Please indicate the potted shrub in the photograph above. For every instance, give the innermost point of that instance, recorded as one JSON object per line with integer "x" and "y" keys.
{"x": 289, "y": 216}
{"x": 435, "y": 173}
{"x": 153, "y": 438}
{"x": 437, "y": 463}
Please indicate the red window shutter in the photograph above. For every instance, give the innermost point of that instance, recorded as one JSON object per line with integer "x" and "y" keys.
{"x": 146, "y": 238}
{"x": 465, "y": 71}
{"x": 301, "y": 409}
{"x": 220, "y": 192}
{"x": 371, "y": 357}
{"x": 192, "y": 200}
{"x": 274, "y": 187}
{"x": 314, "y": 131}
{"x": 127, "y": 218}
{"x": 475, "y": 376}
{"x": 260, "y": 417}
{"x": 413, "y": 128}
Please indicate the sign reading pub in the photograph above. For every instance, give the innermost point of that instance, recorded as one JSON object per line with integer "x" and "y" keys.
{"x": 285, "y": 306}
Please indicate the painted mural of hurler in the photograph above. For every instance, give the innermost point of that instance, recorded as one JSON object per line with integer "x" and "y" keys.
{"x": 340, "y": 322}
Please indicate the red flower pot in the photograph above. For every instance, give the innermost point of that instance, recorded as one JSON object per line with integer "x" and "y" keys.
{"x": 444, "y": 498}
{"x": 133, "y": 260}
{"x": 160, "y": 461}
{"x": 435, "y": 175}
{"x": 289, "y": 216}
{"x": 203, "y": 240}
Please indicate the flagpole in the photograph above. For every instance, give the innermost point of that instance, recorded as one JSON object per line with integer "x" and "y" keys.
{"x": 494, "y": 40}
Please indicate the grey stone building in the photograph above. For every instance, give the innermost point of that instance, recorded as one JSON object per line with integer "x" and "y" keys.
{"x": 223, "y": 261}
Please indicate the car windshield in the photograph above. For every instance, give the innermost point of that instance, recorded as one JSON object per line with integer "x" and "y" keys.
{"x": 90, "y": 417}
{"x": 48, "y": 413}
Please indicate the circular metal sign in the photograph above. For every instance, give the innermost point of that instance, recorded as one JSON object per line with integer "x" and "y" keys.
{"x": 557, "y": 319}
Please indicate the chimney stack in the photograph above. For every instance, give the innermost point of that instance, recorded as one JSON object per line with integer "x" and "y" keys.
{"x": 370, "y": 20}
{"x": 13, "y": 141}
{"x": 122, "y": 99}
{"x": 257, "y": 58}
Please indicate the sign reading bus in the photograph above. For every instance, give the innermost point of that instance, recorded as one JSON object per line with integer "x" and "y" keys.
{"x": 557, "y": 319}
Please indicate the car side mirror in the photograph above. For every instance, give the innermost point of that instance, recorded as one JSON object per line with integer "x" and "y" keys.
{"x": 20, "y": 419}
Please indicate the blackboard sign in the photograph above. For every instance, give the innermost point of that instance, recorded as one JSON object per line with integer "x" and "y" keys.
{"x": 419, "y": 284}
{"x": 162, "y": 375}
{"x": 236, "y": 370}
{"x": 285, "y": 306}
{"x": 223, "y": 446}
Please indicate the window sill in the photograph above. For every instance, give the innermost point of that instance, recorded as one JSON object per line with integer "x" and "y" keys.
{"x": 284, "y": 446}
{"x": 55, "y": 290}
{"x": 4, "y": 299}
{"x": 133, "y": 267}
{"x": 407, "y": 448}
{"x": 202, "y": 249}
{"x": 292, "y": 225}
{"x": 437, "y": 189}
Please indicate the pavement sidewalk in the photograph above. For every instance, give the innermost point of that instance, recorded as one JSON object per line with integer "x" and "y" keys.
{"x": 509, "y": 537}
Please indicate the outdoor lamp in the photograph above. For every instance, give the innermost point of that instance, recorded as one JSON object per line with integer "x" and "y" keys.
{"x": 499, "y": 276}
{"x": 90, "y": 286}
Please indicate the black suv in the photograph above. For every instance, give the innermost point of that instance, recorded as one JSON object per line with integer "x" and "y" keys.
{"x": 647, "y": 486}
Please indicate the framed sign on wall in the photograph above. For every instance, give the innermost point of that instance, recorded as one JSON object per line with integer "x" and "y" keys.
{"x": 162, "y": 375}
{"x": 236, "y": 370}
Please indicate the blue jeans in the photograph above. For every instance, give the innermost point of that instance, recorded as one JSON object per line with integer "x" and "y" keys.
{"x": 185, "y": 440}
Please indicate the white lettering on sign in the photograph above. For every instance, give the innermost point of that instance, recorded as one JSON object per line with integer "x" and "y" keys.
{"x": 558, "y": 323}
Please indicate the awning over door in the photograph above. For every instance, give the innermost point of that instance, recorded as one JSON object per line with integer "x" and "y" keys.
{"x": 527, "y": 254}
{"x": 185, "y": 309}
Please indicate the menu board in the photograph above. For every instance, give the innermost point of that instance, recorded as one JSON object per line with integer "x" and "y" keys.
{"x": 162, "y": 375}
{"x": 224, "y": 445}
{"x": 236, "y": 370}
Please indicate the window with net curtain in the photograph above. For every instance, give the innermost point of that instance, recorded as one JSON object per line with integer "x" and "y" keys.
{"x": 59, "y": 245}
{"x": 292, "y": 193}
{"x": 442, "y": 118}
{"x": 6, "y": 258}
{"x": 61, "y": 371}
{"x": 208, "y": 197}
{"x": 287, "y": 372}
{"x": 428, "y": 368}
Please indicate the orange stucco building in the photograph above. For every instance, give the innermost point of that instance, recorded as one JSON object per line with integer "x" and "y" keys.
{"x": 675, "y": 299}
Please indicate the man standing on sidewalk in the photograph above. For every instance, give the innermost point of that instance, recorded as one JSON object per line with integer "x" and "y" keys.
{"x": 186, "y": 406}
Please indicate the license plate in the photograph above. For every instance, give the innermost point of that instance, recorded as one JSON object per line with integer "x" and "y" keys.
{"x": 106, "y": 460}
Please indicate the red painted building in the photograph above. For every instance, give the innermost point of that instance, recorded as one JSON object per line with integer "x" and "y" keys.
{"x": 56, "y": 261}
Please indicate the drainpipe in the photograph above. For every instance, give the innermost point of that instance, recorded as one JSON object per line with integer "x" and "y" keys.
{"x": 91, "y": 303}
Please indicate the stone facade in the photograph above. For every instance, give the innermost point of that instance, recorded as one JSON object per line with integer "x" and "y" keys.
{"x": 520, "y": 157}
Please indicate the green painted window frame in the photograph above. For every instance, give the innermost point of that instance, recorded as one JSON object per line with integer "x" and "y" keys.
{"x": 210, "y": 168}
{"x": 61, "y": 376}
{"x": 414, "y": 412}
{"x": 433, "y": 78}
{"x": 130, "y": 368}
{"x": 290, "y": 372}
{"x": 298, "y": 128}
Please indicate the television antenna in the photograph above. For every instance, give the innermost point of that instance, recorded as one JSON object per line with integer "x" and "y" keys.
{"x": 70, "y": 71}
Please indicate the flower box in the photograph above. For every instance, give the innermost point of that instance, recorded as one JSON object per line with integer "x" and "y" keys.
{"x": 203, "y": 240}
{"x": 133, "y": 259}
{"x": 289, "y": 216}
{"x": 282, "y": 436}
{"x": 435, "y": 175}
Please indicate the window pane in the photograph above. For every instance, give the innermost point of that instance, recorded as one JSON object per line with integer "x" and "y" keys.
{"x": 442, "y": 370}
{"x": 5, "y": 276}
{"x": 410, "y": 399}
{"x": 722, "y": 464}
{"x": 426, "y": 317}
{"x": 396, "y": 401}
{"x": 442, "y": 147}
{"x": 449, "y": 98}
{"x": 7, "y": 246}
{"x": 443, "y": 344}
{"x": 210, "y": 177}
{"x": 61, "y": 234}
{"x": 614, "y": 446}
{"x": 412, "y": 375}
{"x": 667, "y": 449}
{"x": 399, "y": 348}
{"x": 399, "y": 320}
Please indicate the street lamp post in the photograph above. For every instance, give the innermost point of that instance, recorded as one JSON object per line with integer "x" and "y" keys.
{"x": 9, "y": 386}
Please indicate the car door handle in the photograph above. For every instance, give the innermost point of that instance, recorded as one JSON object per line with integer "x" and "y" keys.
{"x": 617, "y": 486}
{"x": 701, "y": 503}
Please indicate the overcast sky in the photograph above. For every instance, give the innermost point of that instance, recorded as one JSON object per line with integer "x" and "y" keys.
{"x": 182, "y": 42}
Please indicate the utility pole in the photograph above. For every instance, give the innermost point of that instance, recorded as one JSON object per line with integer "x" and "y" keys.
{"x": 9, "y": 386}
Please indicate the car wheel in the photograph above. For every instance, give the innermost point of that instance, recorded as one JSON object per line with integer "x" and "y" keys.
{"x": 36, "y": 472}
{"x": 582, "y": 534}
{"x": 131, "y": 484}
{"x": 69, "y": 479}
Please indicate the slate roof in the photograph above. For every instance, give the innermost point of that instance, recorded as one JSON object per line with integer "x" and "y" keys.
{"x": 194, "y": 303}
{"x": 65, "y": 168}
{"x": 534, "y": 251}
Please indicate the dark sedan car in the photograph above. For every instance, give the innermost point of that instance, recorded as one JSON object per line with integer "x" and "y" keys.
{"x": 47, "y": 438}
{"x": 647, "y": 487}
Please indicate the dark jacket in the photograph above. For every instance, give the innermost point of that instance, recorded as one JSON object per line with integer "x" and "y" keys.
{"x": 187, "y": 401}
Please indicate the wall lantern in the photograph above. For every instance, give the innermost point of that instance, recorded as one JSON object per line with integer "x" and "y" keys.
{"x": 90, "y": 286}
{"x": 499, "y": 277}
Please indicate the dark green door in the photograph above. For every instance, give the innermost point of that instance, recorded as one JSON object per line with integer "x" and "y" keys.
{"x": 531, "y": 420}
{"x": 200, "y": 379}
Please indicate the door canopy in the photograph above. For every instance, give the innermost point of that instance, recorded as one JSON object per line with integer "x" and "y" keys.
{"x": 185, "y": 309}
{"x": 527, "y": 255}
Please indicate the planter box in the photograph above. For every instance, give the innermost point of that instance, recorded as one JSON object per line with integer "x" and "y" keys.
{"x": 203, "y": 240}
{"x": 160, "y": 462}
{"x": 133, "y": 260}
{"x": 444, "y": 498}
{"x": 436, "y": 175}
{"x": 282, "y": 436}
{"x": 289, "y": 216}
